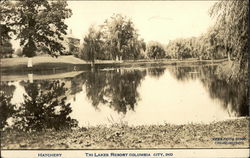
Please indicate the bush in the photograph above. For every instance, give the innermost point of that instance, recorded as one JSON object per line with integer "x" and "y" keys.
{"x": 155, "y": 51}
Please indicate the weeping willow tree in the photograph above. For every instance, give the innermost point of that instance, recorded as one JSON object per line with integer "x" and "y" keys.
{"x": 122, "y": 38}
{"x": 92, "y": 43}
{"x": 232, "y": 20}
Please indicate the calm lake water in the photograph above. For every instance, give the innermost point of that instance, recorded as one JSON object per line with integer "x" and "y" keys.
{"x": 156, "y": 95}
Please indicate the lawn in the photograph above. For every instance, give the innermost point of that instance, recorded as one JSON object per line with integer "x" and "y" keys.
{"x": 8, "y": 62}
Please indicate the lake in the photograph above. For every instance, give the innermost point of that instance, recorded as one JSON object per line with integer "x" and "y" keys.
{"x": 134, "y": 96}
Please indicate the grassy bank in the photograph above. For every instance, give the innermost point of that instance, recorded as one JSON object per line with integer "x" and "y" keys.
{"x": 135, "y": 137}
{"x": 71, "y": 63}
{"x": 39, "y": 63}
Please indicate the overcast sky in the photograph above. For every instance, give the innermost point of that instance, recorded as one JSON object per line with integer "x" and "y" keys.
{"x": 155, "y": 20}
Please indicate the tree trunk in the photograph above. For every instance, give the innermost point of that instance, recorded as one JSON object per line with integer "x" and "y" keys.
{"x": 122, "y": 71}
{"x": 200, "y": 57}
{"x": 213, "y": 57}
{"x": 29, "y": 65}
{"x": 30, "y": 77}
{"x": 93, "y": 59}
{"x": 92, "y": 63}
{"x": 228, "y": 55}
{"x": 92, "y": 66}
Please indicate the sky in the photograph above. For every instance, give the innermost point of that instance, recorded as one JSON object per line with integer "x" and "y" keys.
{"x": 155, "y": 20}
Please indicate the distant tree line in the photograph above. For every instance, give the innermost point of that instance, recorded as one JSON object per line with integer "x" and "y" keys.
{"x": 155, "y": 50}
{"x": 207, "y": 46}
{"x": 227, "y": 38}
{"x": 116, "y": 39}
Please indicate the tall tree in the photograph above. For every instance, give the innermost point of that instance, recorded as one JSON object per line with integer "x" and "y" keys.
{"x": 40, "y": 23}
{"x": 232, "y": 19}
{"x": 121, "y": 38}
{"x": 92, "y": 44}
{"x": 136, "y": 49}
{"x": 181, "y": 48}
{"x": 6, "y": 11}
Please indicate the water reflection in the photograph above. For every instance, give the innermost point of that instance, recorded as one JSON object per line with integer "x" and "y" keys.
{"x": 116, "y": 88}
{"x": 232, "y": 95}
{"x": 184, "y": 74}
{"x": 156, "y": 72}
{"x": 44, "y": 107}
{"x": 6, "y": 107}
{"x": 136, "y": 96}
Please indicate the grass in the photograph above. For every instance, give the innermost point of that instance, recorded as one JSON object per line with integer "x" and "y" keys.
{"x": 40, "y": 59}
{"x": 121, "y": 136}
{"x": 41, "y": 63}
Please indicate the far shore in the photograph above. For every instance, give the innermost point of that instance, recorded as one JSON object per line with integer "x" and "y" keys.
{"x": 71, "y": 63}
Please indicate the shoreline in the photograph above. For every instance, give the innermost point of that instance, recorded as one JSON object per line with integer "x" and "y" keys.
{"x": 224, "y": 134}
{"x": 58, "y": 70}
{"x": 70, "y": 63}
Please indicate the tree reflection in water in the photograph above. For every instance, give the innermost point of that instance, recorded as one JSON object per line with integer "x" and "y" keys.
{"x": 123, "y": 90}
{"x": 115, "y": 88}
{"x": 7, "y": 109}
{"x": 45, "y": 104}
{"x": 232, "y": 94}
{"x": 118, "y": 88}
{"x": 44, "y": 107}
{"x": 156, "y": 72}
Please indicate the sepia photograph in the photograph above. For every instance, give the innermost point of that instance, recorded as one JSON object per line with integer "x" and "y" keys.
{"x": 135, "y": 78}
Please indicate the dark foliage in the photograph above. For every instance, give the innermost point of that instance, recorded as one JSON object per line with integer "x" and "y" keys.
{"x": 44, "y": 107}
